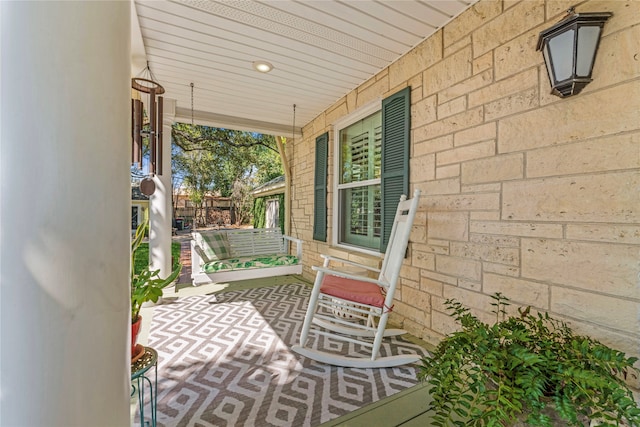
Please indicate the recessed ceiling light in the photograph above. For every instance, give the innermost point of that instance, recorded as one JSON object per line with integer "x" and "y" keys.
{"x": 262, "y": 66}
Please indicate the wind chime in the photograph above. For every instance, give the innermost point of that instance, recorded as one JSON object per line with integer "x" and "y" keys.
{"x": 149, "y": 129}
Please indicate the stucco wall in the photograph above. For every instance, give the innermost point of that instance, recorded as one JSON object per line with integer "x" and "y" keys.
{"x": 525, "y": 193}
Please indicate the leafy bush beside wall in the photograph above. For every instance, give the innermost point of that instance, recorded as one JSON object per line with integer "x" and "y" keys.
{"x": 260, "y": 208}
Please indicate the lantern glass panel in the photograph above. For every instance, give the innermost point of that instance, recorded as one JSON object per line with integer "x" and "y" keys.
{"x": 587, "y": 43}
{"x": 561, "y": 48}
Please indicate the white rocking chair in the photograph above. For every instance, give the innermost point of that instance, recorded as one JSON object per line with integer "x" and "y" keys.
{"x": 345, "y": 306}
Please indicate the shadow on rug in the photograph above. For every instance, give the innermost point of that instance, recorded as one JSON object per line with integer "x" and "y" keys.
{"x": 225, "y": 360}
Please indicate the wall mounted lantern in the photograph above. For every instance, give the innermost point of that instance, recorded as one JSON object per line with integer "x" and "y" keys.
{"x": 569, "y": 49}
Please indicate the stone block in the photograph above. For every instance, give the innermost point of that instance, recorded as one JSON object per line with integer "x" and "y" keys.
{"x": 478, "y": 303}
{"x": 459, "y": 267}
{"x": 442, "y": 323}
{"x": 516, "y": 84}
{"x": 447, "y": 72}
{"x": 375, "y": 91}
{"x": 433, "y": 145}
{"x": 512, "y": 104}
{"x": 520, "y": 292}
{"x": 518, "y": 55}
{"x": 488, "y": 239}
{"x": 465, "y": 87}
{"x": 424, "y": 112}
{"x": 449, "y": 171}
{"x": 451, "y": 49}
{"x": 550, "y": 231}
{"x": 452, "y": 107}
{"x": 493, "y": 169}
{"x": 599, "y": 155}
{"x": 410, "y": 274}
{"x": 613, "y": 233}
{"x": 422, "y": 168}
{"x": 611, "y": 197}
{"x": 442, "y": 278}
{"x": 473, "y": 17}
{"x": 476, "y": 134}
{"x": 352, "y": 100}
{"x": 470, "y": 285}
{"x": 455, "y": 123}
{"x": 501, "y": 269}
{"x": 507, "y": 26}
{"x": 426, "y": 260}
{"x": 596, "y": 267}
{"x": 416, "y": 60}
{"x": 443, "y": 186}
{"x": 485, "y": 216}
{"x": 620, "y": 314}
{"x": 417, "y": 299}
{"x": 340, "y": 110}
{"x": 556, "y": 123}
{"x": 482, "y": 188}
{"x": 420, "y": 316}
{"x": 430, "y": 248}
{"x": 431, "y": 286}
{"x": 464, "y": 202}
{"x": 483, "y": 63}
{"x": 466, "y": 152}
{"x": 448, "y": 226}
{"x": 482, "y": 252}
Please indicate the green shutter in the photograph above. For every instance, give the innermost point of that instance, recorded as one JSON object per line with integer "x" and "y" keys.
{"x": 396, "y": 127}
{"x": 320, "y": 189}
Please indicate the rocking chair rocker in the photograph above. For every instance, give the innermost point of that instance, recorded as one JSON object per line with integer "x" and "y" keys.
{"x": 345, "y": 306}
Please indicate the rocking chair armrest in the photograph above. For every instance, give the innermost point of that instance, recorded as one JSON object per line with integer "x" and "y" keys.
{"x": 350, "y": 276}
{"x": 353, "y": 263}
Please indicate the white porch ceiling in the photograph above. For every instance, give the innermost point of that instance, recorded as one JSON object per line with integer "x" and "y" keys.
{"x": 320, "y": 50}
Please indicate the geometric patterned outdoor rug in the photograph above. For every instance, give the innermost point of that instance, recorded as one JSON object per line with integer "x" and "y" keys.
{"x": 225, "y": 360}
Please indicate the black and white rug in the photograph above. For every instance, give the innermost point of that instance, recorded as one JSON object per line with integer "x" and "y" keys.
{"x": 225, "y": 360}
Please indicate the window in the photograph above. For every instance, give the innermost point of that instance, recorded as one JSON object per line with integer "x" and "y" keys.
{"x": 371, "y": 150}
{"x": 360, "y": 160}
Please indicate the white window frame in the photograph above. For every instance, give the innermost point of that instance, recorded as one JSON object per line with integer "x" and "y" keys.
{"x": 344, "y": 122}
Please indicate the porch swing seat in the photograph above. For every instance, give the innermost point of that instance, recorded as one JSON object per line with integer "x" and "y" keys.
{"x": 355, "y": 308}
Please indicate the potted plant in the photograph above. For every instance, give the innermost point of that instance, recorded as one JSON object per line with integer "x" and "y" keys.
{"x": 526, "y": 368}
{"x": 146, "y": 285}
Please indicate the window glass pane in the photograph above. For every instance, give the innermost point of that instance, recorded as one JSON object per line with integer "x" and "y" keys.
{"x": 360, "y": 152}
{"x": 561, "y": 50}
{"x": 362, "y": 216}
{"x": 587, "y": 41}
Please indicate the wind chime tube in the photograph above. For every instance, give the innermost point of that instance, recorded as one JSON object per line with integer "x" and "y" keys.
{"x": 152, "y": 134}
{"x": 136, "y": 132}
{"x": 159, "y": 138}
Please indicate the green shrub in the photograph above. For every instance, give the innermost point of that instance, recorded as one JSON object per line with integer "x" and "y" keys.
{"x": 519, "y": 367}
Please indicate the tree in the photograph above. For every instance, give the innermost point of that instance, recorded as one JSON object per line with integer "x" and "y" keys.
{"x": 234, "y": 163}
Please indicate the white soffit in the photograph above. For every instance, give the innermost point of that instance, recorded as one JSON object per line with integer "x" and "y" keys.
{"x": 320, "y": 50}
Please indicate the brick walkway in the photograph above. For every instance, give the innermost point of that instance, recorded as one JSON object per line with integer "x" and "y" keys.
{"x": 185, "y": 260}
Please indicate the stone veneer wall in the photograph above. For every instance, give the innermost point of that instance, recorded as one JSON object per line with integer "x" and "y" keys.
{"x": 524, "y": 193}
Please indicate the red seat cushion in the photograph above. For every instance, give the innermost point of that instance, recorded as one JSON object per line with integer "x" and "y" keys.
{"x": 353, "y": 290}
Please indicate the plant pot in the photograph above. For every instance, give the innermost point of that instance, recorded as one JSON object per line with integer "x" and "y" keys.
{"x": 135, "y": 329}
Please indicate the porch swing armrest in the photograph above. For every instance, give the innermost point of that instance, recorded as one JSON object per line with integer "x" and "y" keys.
{"x": 353, "y": 263}
{"x": 339, "y": 273}
{"x": 298, "y": 243}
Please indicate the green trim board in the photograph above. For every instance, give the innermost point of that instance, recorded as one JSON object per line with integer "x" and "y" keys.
{"x": 406, "y": 408}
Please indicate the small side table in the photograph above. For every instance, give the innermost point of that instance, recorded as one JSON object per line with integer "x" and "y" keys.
{"x": 140, "y": 370}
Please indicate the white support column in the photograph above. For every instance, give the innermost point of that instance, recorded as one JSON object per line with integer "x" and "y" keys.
{"x": 64, "y": 213}
{"x": 160, "y": 213}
